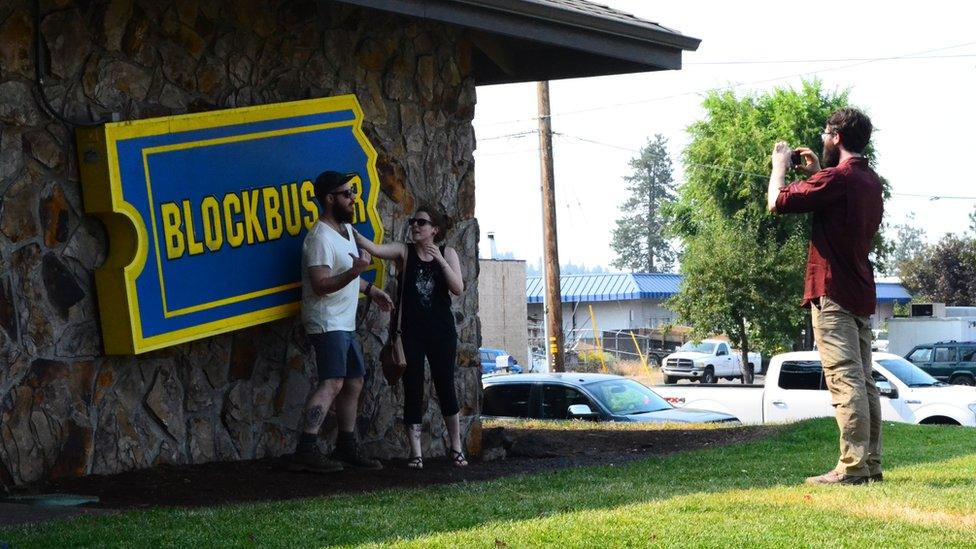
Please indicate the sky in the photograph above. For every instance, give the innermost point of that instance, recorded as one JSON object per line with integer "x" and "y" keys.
{"x": 921, "y": 104}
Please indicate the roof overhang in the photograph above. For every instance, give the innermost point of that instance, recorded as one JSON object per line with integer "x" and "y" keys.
{"x": 532, "y": 40}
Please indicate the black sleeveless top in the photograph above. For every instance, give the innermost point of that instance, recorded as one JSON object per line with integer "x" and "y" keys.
{"x": 426, "y": 297}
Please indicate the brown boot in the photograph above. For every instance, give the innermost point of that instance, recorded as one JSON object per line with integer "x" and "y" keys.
{"x": 314, "y": 461}
{"x": 351, "y": 455}
{"x": 836, "y": 477}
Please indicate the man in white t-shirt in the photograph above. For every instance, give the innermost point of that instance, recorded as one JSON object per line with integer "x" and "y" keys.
{"x": 331, "y": 265}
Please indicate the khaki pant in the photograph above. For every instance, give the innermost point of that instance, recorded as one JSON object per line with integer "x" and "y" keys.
{"x": 844, "y": 341}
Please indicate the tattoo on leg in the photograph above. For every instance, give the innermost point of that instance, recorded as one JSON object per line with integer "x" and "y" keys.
{"x": 313, "y": 417}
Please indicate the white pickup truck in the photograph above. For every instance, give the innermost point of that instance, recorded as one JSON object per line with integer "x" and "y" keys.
{"x": 706, "y": 362}
{"x": 795, "y": 390}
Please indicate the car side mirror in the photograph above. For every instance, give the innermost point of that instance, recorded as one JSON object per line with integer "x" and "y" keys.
{"x": 581, "y": 411}
{"x": 886, "y": 389}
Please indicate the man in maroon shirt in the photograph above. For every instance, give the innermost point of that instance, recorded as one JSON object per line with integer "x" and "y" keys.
{"x": 845, "y": 200}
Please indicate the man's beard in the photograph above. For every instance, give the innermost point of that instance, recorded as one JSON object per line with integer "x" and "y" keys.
{"x": 342, "y": 215}
{"x": 831, "y": 155}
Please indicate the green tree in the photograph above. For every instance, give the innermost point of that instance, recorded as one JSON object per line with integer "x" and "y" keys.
{"x": 743, "y": 267}
{"x": 639, "y": 239}
{"x": 944, "y": 272}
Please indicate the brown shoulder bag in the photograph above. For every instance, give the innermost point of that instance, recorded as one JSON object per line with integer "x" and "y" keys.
{"x": 392, "y": 358}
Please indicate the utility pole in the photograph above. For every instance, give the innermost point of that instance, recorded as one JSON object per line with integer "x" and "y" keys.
{"x": 553, "y": 300}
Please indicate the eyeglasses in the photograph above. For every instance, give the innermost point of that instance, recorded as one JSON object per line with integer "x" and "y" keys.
{"x": 346, "y": 193}
{"x": 418, "y": 221}
{"x": 825, "y": 135}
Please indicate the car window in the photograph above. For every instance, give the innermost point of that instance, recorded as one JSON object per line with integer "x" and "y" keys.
{"x": 908, "y": 373}
{"x": 806, "y": 375}
{"x": 690, "y": 346}
{"x": 507, "y": 400}
{"x": 556, "y": 400}
{"x": 485, "y": 357}
{"x": 923, "y": 354}
{"x": 626, "y": 397}
{"x": 723, "y": 349}
{"x": 967, "y": 354}
{"x": 944, "y": 354}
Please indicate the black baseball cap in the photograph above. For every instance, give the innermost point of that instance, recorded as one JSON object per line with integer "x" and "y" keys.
{"x": 327, "y": 181}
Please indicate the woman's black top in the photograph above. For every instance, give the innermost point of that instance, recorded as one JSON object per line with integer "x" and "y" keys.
{"x": 426, "y": 297}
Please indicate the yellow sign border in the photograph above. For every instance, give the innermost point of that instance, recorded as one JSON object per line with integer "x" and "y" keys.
{"x": 128, "y": 250}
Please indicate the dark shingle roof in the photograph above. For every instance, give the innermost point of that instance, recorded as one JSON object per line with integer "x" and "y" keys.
{"x": 606, "y": 12}
{"x": 526, "y": 40}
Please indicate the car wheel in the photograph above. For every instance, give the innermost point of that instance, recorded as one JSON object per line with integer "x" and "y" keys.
{"x": 670, "y": 380}
{"x": 962, "y": 380}
{"x": 708, "y": 376}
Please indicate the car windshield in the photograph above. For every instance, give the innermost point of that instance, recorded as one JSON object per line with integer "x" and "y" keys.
{"x": 702, "y": 347}
{"x": 908, "y": 373}
{"x": 626, "y": 396}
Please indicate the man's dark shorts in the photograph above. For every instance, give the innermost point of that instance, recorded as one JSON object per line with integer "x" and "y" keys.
{"x": 338, "y": 355}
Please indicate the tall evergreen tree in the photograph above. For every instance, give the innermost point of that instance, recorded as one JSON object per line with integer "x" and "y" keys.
{"x": 639, "y": 239}
{"x": 909, "y": 243}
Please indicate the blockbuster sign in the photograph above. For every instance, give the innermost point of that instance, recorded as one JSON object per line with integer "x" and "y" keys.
{"x": 206, "y": 214}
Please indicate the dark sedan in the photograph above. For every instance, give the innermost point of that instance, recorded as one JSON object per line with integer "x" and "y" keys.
{"x": 600, "y": 397}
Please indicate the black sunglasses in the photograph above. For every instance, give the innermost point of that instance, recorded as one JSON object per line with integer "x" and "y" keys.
{"x": 346, "y": 193}
{"x": 420, "y": 222}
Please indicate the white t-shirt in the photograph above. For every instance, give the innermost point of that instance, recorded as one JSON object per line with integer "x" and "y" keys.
{"x": 323, "y": 246}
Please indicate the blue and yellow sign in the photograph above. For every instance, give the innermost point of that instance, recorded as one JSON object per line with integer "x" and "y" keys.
{"x": 206, "y": 214}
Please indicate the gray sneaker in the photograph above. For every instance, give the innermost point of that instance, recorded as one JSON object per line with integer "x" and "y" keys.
{"x": 351, "y": 455}
{"x": 314, "y": 461}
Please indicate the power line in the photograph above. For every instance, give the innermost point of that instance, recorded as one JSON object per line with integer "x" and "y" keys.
{"x": 738, "y": 84}
{"x": 751, "y": 174}
{"x": 843, "y": 60}
{"x": 935, "y": 196}
{"x": 509, "y": 136}
{"x": 585, "y": 140}
{"x": 506, "y": 153}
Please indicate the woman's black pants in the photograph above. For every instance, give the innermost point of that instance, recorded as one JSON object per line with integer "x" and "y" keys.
{"x": 440, "y": 349}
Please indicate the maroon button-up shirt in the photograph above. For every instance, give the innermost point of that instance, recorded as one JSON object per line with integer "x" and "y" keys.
{"x": 847, "y": 206}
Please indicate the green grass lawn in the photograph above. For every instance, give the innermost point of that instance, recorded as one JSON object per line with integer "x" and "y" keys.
{"x": 748, "y": 494}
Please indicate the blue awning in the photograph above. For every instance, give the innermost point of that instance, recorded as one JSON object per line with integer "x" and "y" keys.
{"x": 632, "y": 286}
{"x": 892, "y": 292}
{"x": 607, "y": 287}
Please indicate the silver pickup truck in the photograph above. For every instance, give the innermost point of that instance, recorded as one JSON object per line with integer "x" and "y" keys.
{"x": 795, "y": 389}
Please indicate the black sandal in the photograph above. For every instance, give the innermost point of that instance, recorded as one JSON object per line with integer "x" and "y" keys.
{"x": 416, "y": 462}
{"x": 457, "y": 457}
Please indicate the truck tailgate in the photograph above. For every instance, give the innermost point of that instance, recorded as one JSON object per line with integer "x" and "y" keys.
{"x": 742, "y": 401}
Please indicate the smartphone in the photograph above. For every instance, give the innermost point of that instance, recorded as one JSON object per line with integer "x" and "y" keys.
{"x": 796, "y": 159}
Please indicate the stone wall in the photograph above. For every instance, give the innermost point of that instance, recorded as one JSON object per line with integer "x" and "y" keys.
{"x": 65, "y": 408}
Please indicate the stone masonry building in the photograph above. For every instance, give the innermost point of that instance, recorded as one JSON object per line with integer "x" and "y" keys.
{"x": 67, "y": 408}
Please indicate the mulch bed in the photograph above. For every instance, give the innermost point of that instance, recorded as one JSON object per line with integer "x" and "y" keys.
{"x": 526, "y": 451}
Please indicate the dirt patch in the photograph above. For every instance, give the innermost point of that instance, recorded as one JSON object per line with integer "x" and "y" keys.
{"x": 516, "y": 451}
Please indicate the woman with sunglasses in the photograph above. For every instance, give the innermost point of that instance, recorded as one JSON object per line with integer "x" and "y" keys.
{"x": 431, "y": 273}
